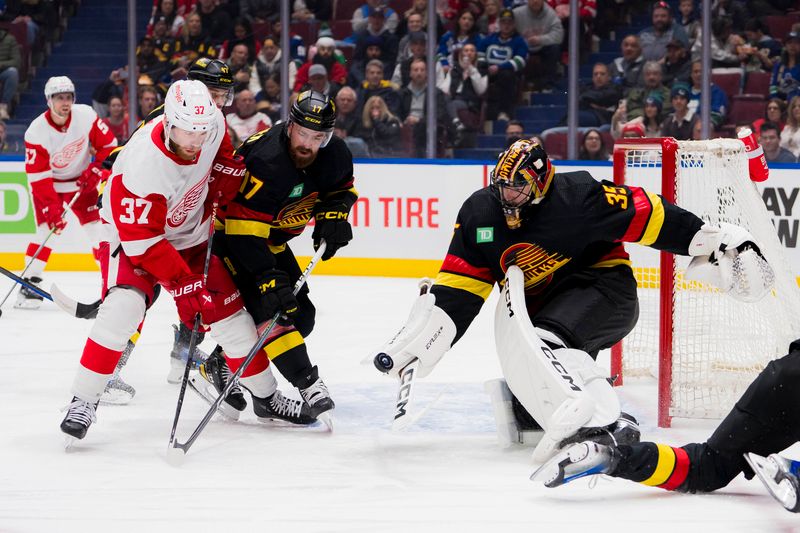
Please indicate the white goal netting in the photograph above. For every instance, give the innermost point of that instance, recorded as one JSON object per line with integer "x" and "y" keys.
{"x": 717, "y": 344}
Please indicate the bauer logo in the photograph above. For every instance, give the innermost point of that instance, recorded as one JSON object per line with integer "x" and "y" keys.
{"x": 16, "y": 208}
{"x": 485, "y": 235}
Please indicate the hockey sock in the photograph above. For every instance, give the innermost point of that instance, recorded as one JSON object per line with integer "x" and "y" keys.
{"x": 38, "y": 263}
{"x": 287, "y": 350}
{"x": 655, "y": 465}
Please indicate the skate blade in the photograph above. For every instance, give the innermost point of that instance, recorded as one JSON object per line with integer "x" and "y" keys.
{"x": 30, "y": 305}
{"x": 205, "y": 390}
{"x": 327, "y": 419}
{"x": 69, "y": 441}
{"x": 116, "y": 397}
{"x": 767, "y": 471}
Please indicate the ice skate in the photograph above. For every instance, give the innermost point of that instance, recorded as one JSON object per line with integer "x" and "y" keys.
{"x": 80, "y": 415}
{"x": 180, "y": 353}
{"x": 117, "y": 391}
{"x": 624, "y": 431}
{"x": 780, "y": 476}
{"x": 213, "y": 377}
{"x": 577, "y": 461}
{"x": 319, "y": 400}
{"x": 279, "y": 407}
{"x": 27, "y": 298}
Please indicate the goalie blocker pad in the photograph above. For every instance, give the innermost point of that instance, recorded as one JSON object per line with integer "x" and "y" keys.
{"x": 427, "y": 335}
{"x": 563, "y": 389}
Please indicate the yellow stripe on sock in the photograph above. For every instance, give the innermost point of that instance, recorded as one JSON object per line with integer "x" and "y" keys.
{"x": 664, "y": 468}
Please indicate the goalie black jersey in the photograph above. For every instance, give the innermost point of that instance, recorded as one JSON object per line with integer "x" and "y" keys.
{"x": 580, "y": 224}
{"x": 277, "y": 200}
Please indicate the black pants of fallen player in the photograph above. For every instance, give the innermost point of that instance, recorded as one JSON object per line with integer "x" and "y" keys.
{"x": 765, "y": 420}
{"x": 283, "y": 347}
{"x": 591, "y": 310}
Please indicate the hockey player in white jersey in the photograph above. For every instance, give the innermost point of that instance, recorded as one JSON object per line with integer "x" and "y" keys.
{"x": 156, "y": 216}
{"x": 58, "y": 151}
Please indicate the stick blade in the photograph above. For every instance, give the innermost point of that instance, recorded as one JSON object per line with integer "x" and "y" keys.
{"x": 175, "y": 455}
{"x": 72, "y": 306}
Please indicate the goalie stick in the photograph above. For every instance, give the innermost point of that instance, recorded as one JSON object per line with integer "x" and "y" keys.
{"x": 177, "y": 451}
{"x": 74, "y": 308}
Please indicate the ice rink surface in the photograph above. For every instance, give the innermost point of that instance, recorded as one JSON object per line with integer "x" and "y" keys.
{"x": 445, "y": 474}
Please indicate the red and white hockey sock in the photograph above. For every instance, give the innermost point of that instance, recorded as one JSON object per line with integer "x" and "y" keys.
{"x": 97, "y": 366}
{"x": 37, "y": 263}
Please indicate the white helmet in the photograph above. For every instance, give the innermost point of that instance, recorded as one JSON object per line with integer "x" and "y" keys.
{"x": 190, "y": 107}
{"x": 58, "y": 84}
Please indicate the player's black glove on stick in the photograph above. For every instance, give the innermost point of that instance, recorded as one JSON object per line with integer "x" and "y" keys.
{"x": 276, "y": 294}
{"x": 331, "y": 224}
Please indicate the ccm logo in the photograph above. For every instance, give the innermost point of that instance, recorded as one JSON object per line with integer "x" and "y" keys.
{"x": 404, "y": 392}
{"x": 560, "y": 368}
{"x": 224, "y": 169}
{"x": 186, "y": 289}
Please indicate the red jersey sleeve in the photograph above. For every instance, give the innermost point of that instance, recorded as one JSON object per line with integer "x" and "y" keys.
{"x": 37, "y": 162}
{"x": 227, "y": 172}
{"x": 140, "y": 222}
{"x": 102, "y": 139}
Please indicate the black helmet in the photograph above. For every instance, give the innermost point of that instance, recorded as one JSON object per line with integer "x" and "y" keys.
{"x": 314, "y": 111}
{"x": 212, "y": 72}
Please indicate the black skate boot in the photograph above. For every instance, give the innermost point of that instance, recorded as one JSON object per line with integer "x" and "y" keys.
{"x": 80, "y": 415}
{"x": 216, "y": 374}
{"x": 27, "y": 298}
{"x": 279, "y": 407}
{"x": 316, "y": 395}
{"x": 180, "y": 353}
{"x": 624, "y": 431}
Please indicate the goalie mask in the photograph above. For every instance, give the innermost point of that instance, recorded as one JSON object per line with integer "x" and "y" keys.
{"x": 522, "y": 176}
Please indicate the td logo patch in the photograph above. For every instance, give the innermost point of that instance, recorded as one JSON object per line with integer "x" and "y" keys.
{"x": 296, "y": 191}
{"x": 485, "y": 235}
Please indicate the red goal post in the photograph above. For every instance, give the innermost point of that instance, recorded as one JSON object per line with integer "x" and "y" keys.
{"x": 703, "y": 346}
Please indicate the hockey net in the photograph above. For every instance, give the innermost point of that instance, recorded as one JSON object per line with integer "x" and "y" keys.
{"x": 704, "y": 346}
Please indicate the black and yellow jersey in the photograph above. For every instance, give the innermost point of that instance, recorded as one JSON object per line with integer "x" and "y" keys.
{"x": 580, "y": 224}
{"x": 277, "y": 199}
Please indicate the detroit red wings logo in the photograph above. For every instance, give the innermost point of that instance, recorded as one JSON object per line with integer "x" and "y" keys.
{"x": 67, "y": 155}
{"x": 189, "y": 201}
{"x": 537, "y": 264}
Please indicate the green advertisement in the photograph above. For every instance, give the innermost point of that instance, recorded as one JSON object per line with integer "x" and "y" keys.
{"x": 16, "y": 207}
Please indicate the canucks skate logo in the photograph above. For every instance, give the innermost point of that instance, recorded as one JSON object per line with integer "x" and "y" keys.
{"x": 67, "y": 155}
{"x": 296, "y": 215}
{"x": 189, "y": 201}
{"x": 537, "y": 264}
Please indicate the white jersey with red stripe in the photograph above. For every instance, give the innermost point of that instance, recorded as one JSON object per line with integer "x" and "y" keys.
{"x": 154, "y": 195}
{"x": 63, "y": 152}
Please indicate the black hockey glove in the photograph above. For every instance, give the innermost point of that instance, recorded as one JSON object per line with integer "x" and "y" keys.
{"x": 276, "y": 294}
{"x": 331, "y": 224}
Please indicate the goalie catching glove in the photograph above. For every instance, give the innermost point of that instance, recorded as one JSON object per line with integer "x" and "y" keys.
{"x": 427, "y": 334}
{"x": 331, "y": 225}
{"x": 727, "y": 257}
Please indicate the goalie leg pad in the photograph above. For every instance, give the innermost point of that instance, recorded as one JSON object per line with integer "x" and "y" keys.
{"x": 557, "y": 390}
{"x": 427, "y": 335}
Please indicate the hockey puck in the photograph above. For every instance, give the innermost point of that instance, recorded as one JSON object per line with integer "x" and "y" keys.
{"x": 383, "y": 362}
{"x": 175, "y": 456}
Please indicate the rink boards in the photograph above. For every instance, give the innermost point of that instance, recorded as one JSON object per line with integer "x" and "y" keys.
{"x": 402, "y": 222}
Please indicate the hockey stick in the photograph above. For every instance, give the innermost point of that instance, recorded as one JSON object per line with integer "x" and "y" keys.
{"x": 39, "y": 249}
{"x": 78, "y": 309}
{"x": 195, "y": 328}
{"x": 177, "y": 451}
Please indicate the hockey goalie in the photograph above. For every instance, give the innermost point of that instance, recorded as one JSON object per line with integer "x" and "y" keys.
{"x": 553, "y": 242}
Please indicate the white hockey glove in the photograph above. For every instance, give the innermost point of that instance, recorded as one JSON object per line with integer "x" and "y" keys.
{"x": 727, "y": 257}
{"x": 427, "y": 334}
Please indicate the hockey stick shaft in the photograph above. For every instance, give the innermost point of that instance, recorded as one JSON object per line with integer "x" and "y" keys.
{"x": 41, "y": 292}
{"x": 40, "y": 248}
{"x": 195, "y": 328}
{"x": 250, "y": 356}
